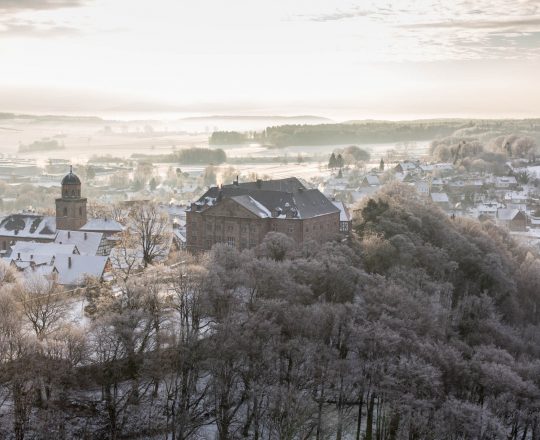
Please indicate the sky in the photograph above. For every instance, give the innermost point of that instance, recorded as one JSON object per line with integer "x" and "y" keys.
{"x": 342, "y": 59}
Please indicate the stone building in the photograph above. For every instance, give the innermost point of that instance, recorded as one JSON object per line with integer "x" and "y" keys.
{"x": 241, "y": 214}
{"x": 71, "y": 207}
{"x": 70, "y": 216}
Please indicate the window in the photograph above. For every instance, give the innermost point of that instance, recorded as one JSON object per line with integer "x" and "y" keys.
{"x": 243, "y": 229}
{"x": 230, "y": 241}
{"x": 65, "y": 212}
{"x": 80, "y": 211}
{"x": 230, "y": 228}
{"x": 274, "y": 228}
{"x": 291, "y": 230}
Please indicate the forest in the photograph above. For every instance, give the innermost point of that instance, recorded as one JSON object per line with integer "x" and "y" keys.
{"x": 362, "y": 132}
{"x": 188, "y": 156}
{"x": 419, "y": 327}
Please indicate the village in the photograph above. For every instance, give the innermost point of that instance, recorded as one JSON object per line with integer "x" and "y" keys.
{"x": 31, "y": 239}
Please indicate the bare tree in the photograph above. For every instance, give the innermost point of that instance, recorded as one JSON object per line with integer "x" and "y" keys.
{"x": 41, "y": 303}
{"x": 8, "y": 275}
{"x": 151, "y": 230}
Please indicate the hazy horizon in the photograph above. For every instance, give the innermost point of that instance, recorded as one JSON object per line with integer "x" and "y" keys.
{"x": 341, "y": 59}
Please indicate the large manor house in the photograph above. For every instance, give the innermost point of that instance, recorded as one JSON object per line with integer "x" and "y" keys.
{"x": 241, "y": 214}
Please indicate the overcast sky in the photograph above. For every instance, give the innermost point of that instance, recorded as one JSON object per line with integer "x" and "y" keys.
{"x": 337, "y": 58}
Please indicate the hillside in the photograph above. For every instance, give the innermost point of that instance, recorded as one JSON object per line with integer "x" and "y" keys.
{"x": 421, "y": 327}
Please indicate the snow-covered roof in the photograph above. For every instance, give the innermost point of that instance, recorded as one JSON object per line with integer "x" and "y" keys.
{"x": 72, "y": 269}
{"x": 505, "y": 180}
{"x": 372, "y": 180}
{"x": 87, "y": 242}
{"x": 22, "y": 261}
{"x": 344, "y": 215}
{"x": 253, "y": 206}
{"x": 437, "y": 166}
{"x": 406, "y": 166}
{"x": 507, "y": 213}
{"x": 439, "y": 197}
{"x": 102, "y": 225}
{"x": 28, "y": 226}
{"x": 33, "y": 248}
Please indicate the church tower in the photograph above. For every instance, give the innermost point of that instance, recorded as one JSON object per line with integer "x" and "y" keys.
{"x": 71, "y": 208}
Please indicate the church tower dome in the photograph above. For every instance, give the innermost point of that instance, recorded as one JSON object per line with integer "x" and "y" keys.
{"x": 71, "y": 185}
{"x": 71, "y": 207}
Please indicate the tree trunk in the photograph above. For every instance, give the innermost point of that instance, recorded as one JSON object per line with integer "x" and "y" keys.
{"x": 369, "y": 421}
{"x": 359, "y": 420}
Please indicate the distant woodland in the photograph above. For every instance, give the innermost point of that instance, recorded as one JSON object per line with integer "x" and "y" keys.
{"x": 373, "y": 132}
{"x": 420, "y": 327}
{"x": 45, "y": 144}
{"x": 188, "y": 156}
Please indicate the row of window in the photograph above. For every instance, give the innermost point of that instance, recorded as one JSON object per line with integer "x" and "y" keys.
{"x": 230, "y": 241}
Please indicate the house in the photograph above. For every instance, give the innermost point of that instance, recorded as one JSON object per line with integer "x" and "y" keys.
{"x": 345, "y": 218}
{"x": 241, "y": 214}
{"x": 26, "y": 227}
{"x": 423, "y": 187}
{"x": 62, "y": 261}
{"x": 513, "y": 219}
{"x": 488, "y": 209}
{"x": 371, "y": 180}
{"x": 22, "y": 248}
{"x": 88, "y": 243}
{"x": 505, "y": 182}
{"x": 72, "y": 270}
{"x": 443, "y": 166}
{"x": 106, "y": 226}
{"x": 404, "y": 167}
{"x": 441, "y": 200}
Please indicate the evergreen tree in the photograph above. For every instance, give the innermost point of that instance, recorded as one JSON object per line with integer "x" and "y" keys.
{"x": 381, "y": 165}
{"x": 339, "y": 161}
{"x": 332, "y": 162}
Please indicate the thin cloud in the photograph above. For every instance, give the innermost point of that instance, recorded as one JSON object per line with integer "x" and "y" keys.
{"x": 30, "y": 29}
{"x": 477, "y": 24}
{"x": 337, "y": 16}
{"x": 24, "y": 5}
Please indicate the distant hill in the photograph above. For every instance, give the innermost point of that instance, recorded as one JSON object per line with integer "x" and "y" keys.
{"x": 370, "y": 131}
{"x": 277, "y": 118}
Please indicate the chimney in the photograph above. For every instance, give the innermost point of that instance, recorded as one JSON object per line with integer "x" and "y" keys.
{"x": 69, "y": 234}
{"x": 235, "y": 183}
{"x": 69, "y": 262}
{"x": 259, "y": 183}
{"x": 18, "y": 255}
{"x": 85, "y": 235}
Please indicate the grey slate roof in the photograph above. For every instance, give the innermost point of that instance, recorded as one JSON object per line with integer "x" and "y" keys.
{"x": 28, "y": 226}
{"x": 299, "y": 202}
{"x": 87, "y": 242}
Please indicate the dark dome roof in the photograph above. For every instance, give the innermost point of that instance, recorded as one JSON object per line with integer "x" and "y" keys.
{"x": 71, "y": 179}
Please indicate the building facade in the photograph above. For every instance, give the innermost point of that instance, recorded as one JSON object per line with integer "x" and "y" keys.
{"x": 71, "y": 207}
{"x": 240, "y": 215}
{"x": 70, "y": 215}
